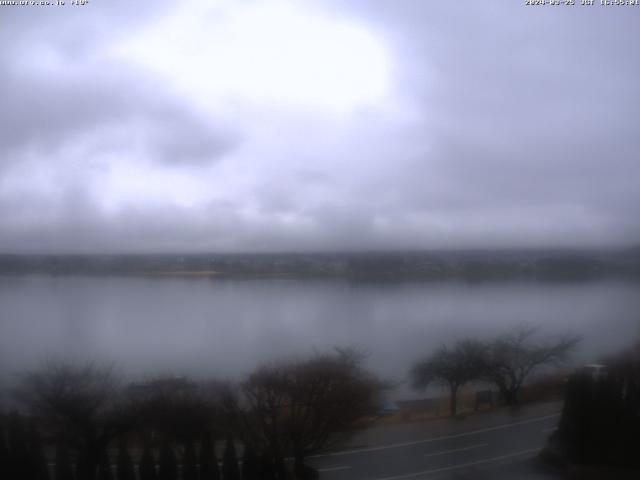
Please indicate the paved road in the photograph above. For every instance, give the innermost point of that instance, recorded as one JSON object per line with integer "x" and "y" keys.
{"x": 492, "y": 446}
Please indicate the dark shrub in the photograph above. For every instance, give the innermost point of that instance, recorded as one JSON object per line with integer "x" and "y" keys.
{"x": 37, "y": 460}
{"x": 230, "y": 470}
{"x": 124, "y": 466}
{"x": 168, "y": 465}
{"x": 209, "y": 469}
{"x": 189, "y": 461}
{"x": 19, "y": 461}
{"x": 600, "y": 422}
{"x": 4, "y": 456}
{"x": 147, "y": 464}
{"x": 104, "y": 467}
{"x": 63, "y": 468}
{"x": 250, "y": 464}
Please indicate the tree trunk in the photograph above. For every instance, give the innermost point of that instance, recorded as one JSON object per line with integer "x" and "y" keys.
{"x": 510, "y": 395}
{"x": 453, "y": 400}
{"x": 514, "y": 400}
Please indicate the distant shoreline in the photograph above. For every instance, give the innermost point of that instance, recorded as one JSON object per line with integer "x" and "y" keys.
{"x": 181, "y": 273}
{"x": 471, "y": 266}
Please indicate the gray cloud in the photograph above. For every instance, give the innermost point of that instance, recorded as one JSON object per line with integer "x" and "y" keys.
{"x": 509, "y": 126}
{"x": 47, "y": 113}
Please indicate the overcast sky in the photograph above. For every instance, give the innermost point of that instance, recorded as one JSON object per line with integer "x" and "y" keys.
{"x": 271, "y": 125}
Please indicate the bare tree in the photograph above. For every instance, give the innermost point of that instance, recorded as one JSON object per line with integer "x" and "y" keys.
{"x": 330, "y": 395}
{"x": 81, "y": 405}
{"x": 452, "y": 366}
{"x": 301, "y": 407}
{"x": 512, "y": 357}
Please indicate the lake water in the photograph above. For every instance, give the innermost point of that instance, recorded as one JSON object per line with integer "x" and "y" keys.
{"x": 225, "y": 328}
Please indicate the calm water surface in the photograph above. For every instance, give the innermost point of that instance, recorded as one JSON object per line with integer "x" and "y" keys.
{"x": 225, "y": 328}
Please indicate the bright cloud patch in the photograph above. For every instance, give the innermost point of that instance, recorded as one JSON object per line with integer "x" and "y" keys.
{"x": 270, "y": 53}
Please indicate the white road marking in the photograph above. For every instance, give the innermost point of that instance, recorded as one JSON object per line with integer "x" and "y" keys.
{"x": 332, "y": 469}
{"x": 547, "y": 430}
{"x": 462, "y": 465}
{"x": 464, "y": 449}
{"x": 435, "y": 439}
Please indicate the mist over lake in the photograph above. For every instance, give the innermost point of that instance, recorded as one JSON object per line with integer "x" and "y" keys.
{"x": 224, "y": 328}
